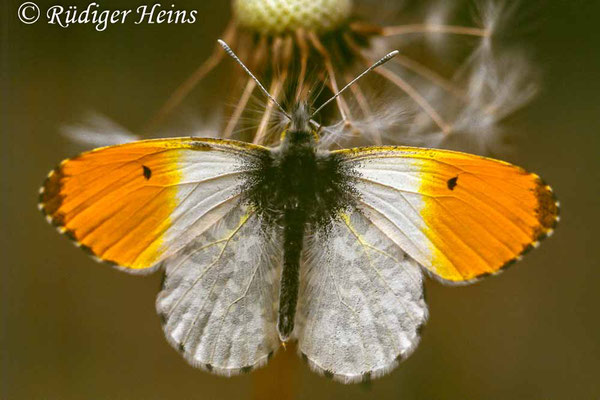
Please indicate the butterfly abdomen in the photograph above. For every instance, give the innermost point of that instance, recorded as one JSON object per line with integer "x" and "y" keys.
{"x": 293, "y": 238}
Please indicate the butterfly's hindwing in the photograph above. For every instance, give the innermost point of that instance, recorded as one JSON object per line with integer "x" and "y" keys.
{"x": 218, "y": 303}
{"x": 361, "y": 302}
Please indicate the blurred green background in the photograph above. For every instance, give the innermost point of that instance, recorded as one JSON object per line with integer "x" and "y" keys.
{"x": 74, "y": 329}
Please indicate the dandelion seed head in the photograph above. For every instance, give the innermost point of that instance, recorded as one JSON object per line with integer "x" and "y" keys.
{"x": 438, "y": 14}
{"x": 449, "y": 86}
{"x": 279, "y": 16}
{"x": 499, "y": 84}
{"x": 493, "y": 84}
{"x": 494, "y": 16}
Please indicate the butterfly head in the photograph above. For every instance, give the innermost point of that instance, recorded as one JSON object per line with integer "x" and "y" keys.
{"x": 300, "y": 129}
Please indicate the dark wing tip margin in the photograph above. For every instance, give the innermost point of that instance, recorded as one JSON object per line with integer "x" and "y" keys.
{"x": 548, "y": 215}
{"x": 49, "y": 202}
{"x": 548, "y": 209}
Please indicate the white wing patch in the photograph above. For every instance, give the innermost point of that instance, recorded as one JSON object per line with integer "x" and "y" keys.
{"x": 219, "y": 297}
{"x": 389, "y": 189}
{"x": 361, "y": 301}
{"x": 209, "y": 189}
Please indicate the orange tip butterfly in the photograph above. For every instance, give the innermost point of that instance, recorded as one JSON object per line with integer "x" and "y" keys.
{"x": 261, "y": 245}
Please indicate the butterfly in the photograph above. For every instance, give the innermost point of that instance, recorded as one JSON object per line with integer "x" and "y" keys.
{"x": 261, "y": 246}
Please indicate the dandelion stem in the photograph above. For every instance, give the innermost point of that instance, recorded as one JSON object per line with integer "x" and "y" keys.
{"x": 277, "y": 83}
{"x": 360, "y": 97}
{"x": 364, "y": 106}
{"x": 279, "y": 379}
{"x": 342, "y": 106}
{"x": 186, "y": 87}
{"x": 304, "y": 50}
{"x": 239, "y": 108}
{"x": 404, "y": 86}
{"x": 433, "y": 28}
{"x": 262, "y": 127}
{"x": 259, "y": 54}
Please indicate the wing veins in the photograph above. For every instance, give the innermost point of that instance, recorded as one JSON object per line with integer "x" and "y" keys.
{"x": 244, "y": 219}
{"x": 209, "y": 179}
{"x": 165, "y": 228}
{"x": 481, "y": 226}
{"x": 423, "y": 256}
{"x": 371, "y": 264}
{"x": 129, "y": 230}
{"x": 229, "y": 308}
{"x": 354, "y": 314}
{"x": 436, "y": 198}
{"x": 320, "y": 286}
{"x": 426, "y": 232}
{"x": 81, "y": 207}
{"x": 212, "y": 287}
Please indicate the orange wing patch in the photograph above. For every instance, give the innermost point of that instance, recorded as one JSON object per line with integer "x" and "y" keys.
{"x": 481, "y": 214}
{"x": 115, "y": 201}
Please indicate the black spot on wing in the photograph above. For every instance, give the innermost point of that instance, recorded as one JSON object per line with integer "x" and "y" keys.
{"x": 147, "y": 172}
{"x": 452, "y": 182}
{"x": 87, "y": 250}
{"x": 366, "y": 381}
{"x": 163, "y": 319}
{"x": 527, "y": 248}
{"x": 509, "y": 263}
{"x": 246, "y": 369}
{"x": 71, "y": 236}
{"x": 420, "y": 329}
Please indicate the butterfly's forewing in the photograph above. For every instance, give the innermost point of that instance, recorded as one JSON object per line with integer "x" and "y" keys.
{"x": 218, "y": 303}
{"x": 133, "y": 205}
{"x": 176, "y": 203}
{"x": 361, "y": 301}
{"x": 460, "y": 216}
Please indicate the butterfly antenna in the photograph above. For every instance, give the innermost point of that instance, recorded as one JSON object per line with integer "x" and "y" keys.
{"x": 236, "y": 58}
{"x": 381, "y": 61}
